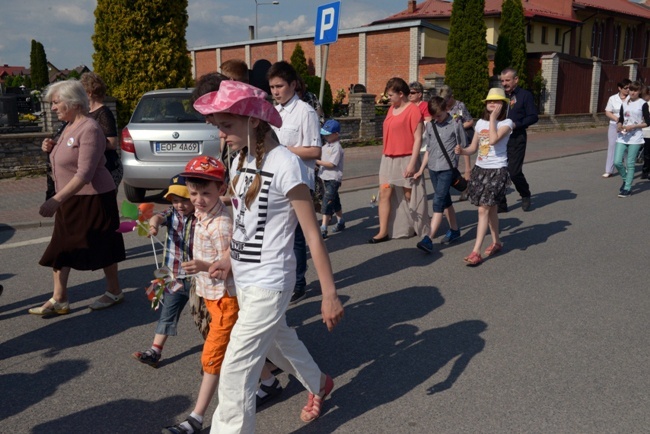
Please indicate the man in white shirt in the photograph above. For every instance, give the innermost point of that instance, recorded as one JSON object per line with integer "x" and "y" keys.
{"x": 300, "y": 133}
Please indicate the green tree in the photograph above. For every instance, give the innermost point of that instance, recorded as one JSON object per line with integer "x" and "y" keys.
{"x": 140, "y": 46}
{"x": 511, "y": 44}
{"x": 299, "y": 61}
{"x": 38, "y": 66}
{"x": 313, "y": 85}
{"x": 74, "y": 74}
{"x": 467, "y": 63}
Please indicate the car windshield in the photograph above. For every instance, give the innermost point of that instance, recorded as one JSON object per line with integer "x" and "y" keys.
{"x": 166, "y": 109}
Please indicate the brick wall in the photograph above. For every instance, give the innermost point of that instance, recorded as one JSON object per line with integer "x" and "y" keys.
{"x": 206, "y": 61}
{"x": 264, "y": 51}
{"x": 387, "y": 56}
{"x": 343, "y": 54}
{"x": 236, "y": 53}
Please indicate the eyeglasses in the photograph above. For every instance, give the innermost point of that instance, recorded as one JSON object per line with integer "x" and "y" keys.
{"x": 414, "y": 92}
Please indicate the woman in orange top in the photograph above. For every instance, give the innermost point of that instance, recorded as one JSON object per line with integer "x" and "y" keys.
{"x": 402, "y": 199}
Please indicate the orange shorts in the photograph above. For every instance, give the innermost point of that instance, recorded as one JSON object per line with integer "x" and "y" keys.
{"x": 223, "y": 314}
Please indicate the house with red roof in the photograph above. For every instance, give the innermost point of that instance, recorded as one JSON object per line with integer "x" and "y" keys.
{"x": 6, "y": 70}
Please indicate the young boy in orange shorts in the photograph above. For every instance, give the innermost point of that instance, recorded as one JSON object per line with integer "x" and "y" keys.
{"x": 205, "y": 181}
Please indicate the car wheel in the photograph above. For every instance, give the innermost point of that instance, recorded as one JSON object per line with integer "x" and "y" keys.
{"x": 134, "y": 194}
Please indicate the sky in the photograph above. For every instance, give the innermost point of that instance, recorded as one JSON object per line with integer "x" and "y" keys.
{"x": 65, "y": 27}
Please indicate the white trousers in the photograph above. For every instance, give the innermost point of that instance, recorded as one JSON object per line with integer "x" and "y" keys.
{"x": 612, "y": 134}
{"x": 261, "y": 331}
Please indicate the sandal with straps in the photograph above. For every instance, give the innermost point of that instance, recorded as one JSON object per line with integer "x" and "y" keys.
{"x": 62, "y": 308}
{"x": 473, "y": 259}
{"x": 311, "y": 411}
{"x": 493, "y": 249}
{"x": 115, "y": 299}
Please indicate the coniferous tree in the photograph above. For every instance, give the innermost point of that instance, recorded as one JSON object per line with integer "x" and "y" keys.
{"x": 299, "y": 61}
{"x": 140, "y": 46}
{"x": 467, "y": 63}
{"x": 38, "y": 66}
{"x": 511, "y": 44}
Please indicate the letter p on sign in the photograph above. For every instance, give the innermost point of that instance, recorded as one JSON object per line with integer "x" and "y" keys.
{"x": 327, "y": 23}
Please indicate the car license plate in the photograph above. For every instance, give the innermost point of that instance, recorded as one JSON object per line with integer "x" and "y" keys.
{"x": 177, "y": 147}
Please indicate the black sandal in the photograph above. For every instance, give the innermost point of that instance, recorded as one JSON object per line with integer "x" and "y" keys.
{"x": 178, "y": 429}
{"x": 272, "y": 392}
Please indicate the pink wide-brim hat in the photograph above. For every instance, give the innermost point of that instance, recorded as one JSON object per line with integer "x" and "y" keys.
{"x": 239, "y": 98}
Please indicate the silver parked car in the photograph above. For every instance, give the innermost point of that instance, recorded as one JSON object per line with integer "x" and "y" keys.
{"x": 164, "y": 133}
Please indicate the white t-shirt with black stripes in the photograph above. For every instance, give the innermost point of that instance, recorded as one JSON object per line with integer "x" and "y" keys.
{"x": 263, "y": 235}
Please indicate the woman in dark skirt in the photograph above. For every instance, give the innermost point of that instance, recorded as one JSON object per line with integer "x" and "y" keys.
{"x": 489, "y": 178}
{"x": 84, "y": 206}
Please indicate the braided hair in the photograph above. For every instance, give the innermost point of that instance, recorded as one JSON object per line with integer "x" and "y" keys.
{"x": 252, "y": 192}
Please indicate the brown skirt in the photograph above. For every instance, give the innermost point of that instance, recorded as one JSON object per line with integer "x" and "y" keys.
{"x": 85, "y": 236}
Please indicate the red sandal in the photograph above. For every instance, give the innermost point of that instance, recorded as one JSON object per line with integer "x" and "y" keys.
{"x": 311, "y": 411}
{"x": 473, "y": 259}
{"x": 493, "y": 249}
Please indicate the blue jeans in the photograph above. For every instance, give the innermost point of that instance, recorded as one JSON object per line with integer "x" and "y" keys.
{"x": 441, "y": 181}
{"x": 172, "y": 306}
{"x": 331, "y": 198}
{"x": 626, "y": 171}
{"x": 300, "y": 250}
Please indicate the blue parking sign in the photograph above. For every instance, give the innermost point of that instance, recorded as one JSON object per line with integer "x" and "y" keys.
{"x": 327, "y": 23}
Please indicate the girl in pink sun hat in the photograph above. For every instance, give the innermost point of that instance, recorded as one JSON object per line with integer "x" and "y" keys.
{"x": 269, "y": 198}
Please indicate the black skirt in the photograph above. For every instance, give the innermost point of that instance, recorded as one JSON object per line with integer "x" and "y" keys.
{"x": 85, "y": 236}
{"x": 487, "y": 187}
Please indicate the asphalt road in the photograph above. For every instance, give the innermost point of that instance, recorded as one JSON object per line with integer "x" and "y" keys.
{"x": 551, "y": 336}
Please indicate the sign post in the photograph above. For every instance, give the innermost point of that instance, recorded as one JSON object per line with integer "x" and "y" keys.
{"x": 327, "y": 32}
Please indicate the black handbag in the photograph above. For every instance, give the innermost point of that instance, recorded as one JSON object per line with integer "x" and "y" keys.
{"x": 457, "y": 180}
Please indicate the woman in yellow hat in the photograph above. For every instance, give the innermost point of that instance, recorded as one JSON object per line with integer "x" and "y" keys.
{"x": 489, "y": 178}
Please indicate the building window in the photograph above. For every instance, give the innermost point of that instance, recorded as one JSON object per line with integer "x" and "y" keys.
{"x": 544, "y": 38}
{"x": 558, "y": 36}
{"x": 644, "y": 56}
{"x": 597, "y": 39}
{"x": 617, "y": 40}
{"x": 529, "y": 33}
{"x": 628, "y": 44}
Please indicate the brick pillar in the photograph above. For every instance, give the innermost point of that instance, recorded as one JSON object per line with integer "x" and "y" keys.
{"x": 414, "y": 53}
{"x": 318, "y": 67}
{"x": 362, "y": 106}
{"x": 193, "y": 60}
{"x": 633, "y": 65}
{"x": 550, "y": 68}
{"x": 362, "y": 60}
{"x": 595, "y": 85}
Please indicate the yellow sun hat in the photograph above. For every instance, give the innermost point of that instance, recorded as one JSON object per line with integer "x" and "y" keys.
{"x": 496, "y": 94}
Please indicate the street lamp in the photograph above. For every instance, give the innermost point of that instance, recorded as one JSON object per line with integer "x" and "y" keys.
{"x": 261, "y": 4}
